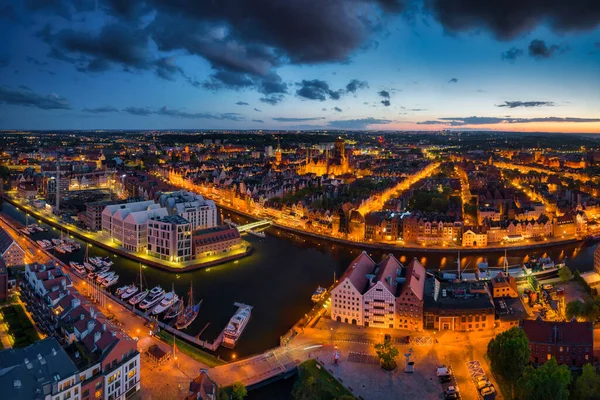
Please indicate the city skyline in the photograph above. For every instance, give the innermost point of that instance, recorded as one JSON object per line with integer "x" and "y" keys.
{"x": 363, "y": 64}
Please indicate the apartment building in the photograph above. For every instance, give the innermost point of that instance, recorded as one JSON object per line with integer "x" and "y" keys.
{"x": 42, "y": 370}
{"x": 169, "y": 238}
{"x": 106, "y": 359}
{"x": 384, "y": 295}
{"x": 200, "y": 213}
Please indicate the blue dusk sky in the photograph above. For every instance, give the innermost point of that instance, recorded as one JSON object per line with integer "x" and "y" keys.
{"x": 527, "y": 65}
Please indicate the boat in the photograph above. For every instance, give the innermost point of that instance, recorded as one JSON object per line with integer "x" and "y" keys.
{"x": 151, "y": 300}
{"x": 139, "y": 297}
{"x": 167, "y": 301}
{"x": 187, "y": 314}
{"x": 156, "y": 290}
{"x": 108, "y": 282}
{"x": 174, "y": 310}
{"x": 89, "y": 266}
{"x": 103, "y": 275}
{"x": 122, "y": 290}
{"x": 130, "y": 291}
{"x": 77, "y": 268}
{"x": 235, "y": 327}
{"x": 318, "y": 294}
{"x": 257, "y": 234}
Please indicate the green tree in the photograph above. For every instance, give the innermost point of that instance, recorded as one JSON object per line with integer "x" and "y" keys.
{"x": 591, "y": 308}
{"x": 509, "y": 354}
{"x": 387, "y": 354}
{"x": 587, "y": 386}
{"x": 550, "y": 381}
{"x": 565, "y": 274}
{"x": 238, "y": 391}
{"x": 306, "y": 387}
{"x": 574, "y": 309}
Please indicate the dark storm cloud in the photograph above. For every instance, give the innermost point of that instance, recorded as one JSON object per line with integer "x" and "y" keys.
{"x": 508, "y": 19}
{"x": 258, "y": 120}
{"x": 386, "y": 103}
{"x": 28, "y": 98}
{"x": 515, "y": 104}
{"x": 241, "y": 103}
{"x": 101, "y": 110}
{"x": 538, "y": 49}
{"x": 461, "y": 121}
{"x": 453, "y": 80}
{"x": 512, "y": 54}
{"x": 355, "y": 84}
{"x": 286, "y": 119}
{"x": 316, "y": 90}
{"x": 337, "y": 109}
{"x": 362, "y": 123}
{"x": 166, "y": 68}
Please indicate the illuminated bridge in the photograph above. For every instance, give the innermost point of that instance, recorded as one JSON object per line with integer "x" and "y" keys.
{"x": 253, "y": 225}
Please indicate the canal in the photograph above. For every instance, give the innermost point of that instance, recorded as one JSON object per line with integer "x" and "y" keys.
{"x": 279, "y": 278}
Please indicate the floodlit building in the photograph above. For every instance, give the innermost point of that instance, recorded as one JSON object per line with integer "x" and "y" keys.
{"x": 10, "y": 250}
{"x": 200, "y": 213}
{"x": 571, "y": 343}
{"x": 169, "y": 238}
{"x": 218, "y": 240}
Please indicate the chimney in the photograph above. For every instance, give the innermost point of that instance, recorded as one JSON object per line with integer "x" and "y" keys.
{"x": 104, "y": 327}
{"x": 97, "y": 336}
{"x": 92, "y": 313}
{"x": 90, "y": 325}
{"x": 53, "y": 351}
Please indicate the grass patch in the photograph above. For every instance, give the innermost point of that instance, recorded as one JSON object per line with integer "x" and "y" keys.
{"x": 328, "y": 386}
{"x": 19, "y": 326}
{"x": 192, "y": 351}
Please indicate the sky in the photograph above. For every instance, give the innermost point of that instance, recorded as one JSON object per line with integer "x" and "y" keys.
{"x": 507, "y": 65}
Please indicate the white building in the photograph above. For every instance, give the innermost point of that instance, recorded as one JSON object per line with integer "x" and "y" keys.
{"x": 170, "y": 238}
{"x": 10, "y": 250}
{"x": 200, "y": 213}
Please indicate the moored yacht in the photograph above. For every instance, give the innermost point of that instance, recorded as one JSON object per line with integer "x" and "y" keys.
{"x": 110, "y": 281}
{"x": 151, "y": 300}
{"x": 235, "y": 327}
{"x": 167, "y": 301}
{"x": 139, "y": 297}
{"x": 130, "y": 291}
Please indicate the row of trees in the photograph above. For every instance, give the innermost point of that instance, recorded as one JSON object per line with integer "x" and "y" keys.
{"x": 509, "y": 355}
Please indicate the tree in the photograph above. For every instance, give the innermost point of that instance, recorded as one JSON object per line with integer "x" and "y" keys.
{"x": 565, "y": 274}
{"x": 587, "y": 386}
{"x": 591, "y": 309}
{"x": 574, "y": 309}
{"x": 387, "y": 354}
{"x": 306, "y": 387}
{"x": 238, "y": 391}
{"x": 509, "y": 353}
{"x": 550, "y": 381}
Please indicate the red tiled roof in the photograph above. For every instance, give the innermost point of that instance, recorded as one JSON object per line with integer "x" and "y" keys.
{"x": 415, "y": 278}
{"x": 569, "y": 333}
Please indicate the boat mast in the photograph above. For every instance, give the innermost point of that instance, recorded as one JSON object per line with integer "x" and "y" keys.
{"x": 140, "y": 277}
{"x": 505, "y": 263}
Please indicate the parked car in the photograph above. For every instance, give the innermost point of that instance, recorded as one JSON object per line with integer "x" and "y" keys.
{"x": 445, "y": 378}
{"x": 451, "y": 393}
{"x": 443, "y": 370}
{"x": 482, "y": 381}
{"x": 488, "y": 392}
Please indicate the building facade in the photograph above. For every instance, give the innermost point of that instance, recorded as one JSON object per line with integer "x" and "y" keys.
{"x": 169, "y": 238}
{"x": 10, "y": 250}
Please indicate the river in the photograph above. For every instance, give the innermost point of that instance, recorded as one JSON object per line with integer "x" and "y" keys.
{"x": 279, "y": 278}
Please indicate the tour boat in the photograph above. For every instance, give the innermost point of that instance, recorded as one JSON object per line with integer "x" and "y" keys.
{"x": 77, "y": 268}
{"x": 235, "y": 327}
{"x": 187, "y": 314}
{"x": 108, "y": 282}
{"x": 130, "y": 291}
{"x": 167, "y": 301}
{"x": 151, "y": 301}
{"x": 139, "y": 297}
{"x": 318, "y": 294}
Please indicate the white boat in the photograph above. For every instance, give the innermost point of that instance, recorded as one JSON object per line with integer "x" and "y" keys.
{"x": 156, "y": 290}
{"x": 174, "y": 310}
{"x": 235, "y": 327}
{"x": 318, "y": 294}
{"x": 167, "y": 301}
{"x": 89, "y": 266}
{"x": 133, "y": 289}
{"x": 103, "y": 275}
{"x": 139, "y": 297}
{"x": 121, "y": 290}
{"x": 108, "y": 282}
{"x": 151, "y": 301}
{"x": 77, "y": 268}
{"x": 257, "y": 234}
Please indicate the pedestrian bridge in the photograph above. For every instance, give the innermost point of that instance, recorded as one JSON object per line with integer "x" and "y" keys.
{"x": 254, "y": 225}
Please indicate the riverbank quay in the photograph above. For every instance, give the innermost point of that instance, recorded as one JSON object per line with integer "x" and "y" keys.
{"x": 398, "y": 247}
{"x": 105, "y": 243}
